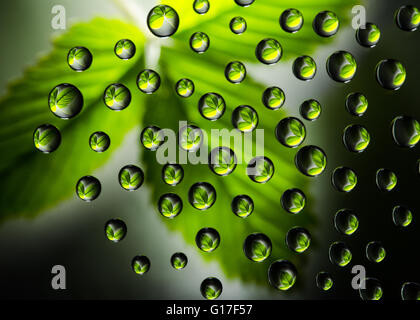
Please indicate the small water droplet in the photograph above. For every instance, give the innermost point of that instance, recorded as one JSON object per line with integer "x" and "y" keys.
{"x": 324, "y": 281}
{"x": 341, "y": 66}
{"x": 346, "y": 222}
{"x": 410, "y": 291}
{"x": 326, "y": 24}
{"x": 211, "y": 288}
{"x": 222, "y": 161}
{"x": 179, "y": 261}
{"x": 211, "y": 106}
{"x": 405, "y": 131}
{"x": 88, "y": 188}
{"x": 291, "y": 20}
{"x": 47, "y": 138}
{"x": 99, "y": 141}
{"x": 199, "y": 42}
{"x": 207, "y": 239}
{"x": 65, "y": 101}
{"x": 238, "y": 25}
{"x": 117, "y": 97}
{"x": 140, "y": 264}
{"x": 386, "y": 180}
{"x": 172, "y": 174}
{"x": 340, "y": 254}
{"x": 311, "y": 161}
{"x": 257, "y": 247}
{"x": 245, "y": 118}
{"x": 304, "y": 68}
{"x": 269, "y": 51}
{"x": 190, "y": 138}
{"x": 202, "y": 195}
{"x": 79, "y": 58}
{"x": 260, "y": 169}
{"x": 115, "y": 230}
{"x": 273, "y": 98}
{"x": 131, "y": 177}
{"x": 390, "y": 74}
{"x": 290, "y": 132}
{"x": 310, "y": 109}
{"x": 125, "y": 49}
{"x": 356, "y": 104}
{"x": 369, "y": 36}
{"x": 148, "y": 81}
{"x": 170, "y": 205}
{"x": 185, "y": 88}
{"x": 293, "y": 200}
{"x": 344, "y": 179}
{"x": 298, "y": 239}
{"x": 401, "y": 216}
{"x": 407, "y": 18}
{"x": 375, "y": 252}
{"x": 242, "y": 206}
{"x": 152, "y": 138}
{"x": 372, "y": 289}
{"x": 163, "y": 21}
{"x": 356, "y": 138}
{"x": 201, "y": 6}
{"x": 235, "y": 72}
{"x": 282, "y": 274}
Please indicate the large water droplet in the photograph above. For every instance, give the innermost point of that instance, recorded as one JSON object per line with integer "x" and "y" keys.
{"x": 202, "y": 195}
{"x": 290, "y": 132}
{"x": 326, "y": 24}
{"x": 211, "y": 106}
{"x": 235, "y": 72}
{"x": 140, "y": 264}
{"x": 65, "y": 101}
{"x": 291, "y": 20}
{"x": 163, "y": 21}
{"x": 179, "y": 261}
{"x": 407, "y": 18}
{"x": 238, "y": 25}
{"x": 401, "y": 216}
{"x": 199, "y": 42}
{"x": 211, "y": 288}
{"x": 207, "y": 239}
{"x": 260, "y": 169}
{"x": 356, "y": 138}
{"x": 257, "y": 247}
{"x": 390, "y": 74}
{"x": 356, "y": 104}
{"x": 148, "y": 81}
{"x": 304, "y": 68}
{"x": 172, "y": 174}
{"x": 410, "y": 291}
{"x": 310, "y": 109}
{"x": 115, "y": 230}
{"x": 185, "y": 88}
{"x": 99, "y": 141}
{"x": 341, "y": 66}
{"x": 375, "y": 252}
{"x": 47, "y": 138}
{"x": 346, "y": 222}
{"x": 273, "y": 98}
{"x": 405, "y": 131}
{"x": 88, "y": 188}
{"x": 152, "y": 138}
{"x": 268, "y": 51}
{"x": 245, "y": 118}
{"x": 339, "y": 254}
{"x": 125, "y": 49}
{"x": 369, "y": 36}
{"x": 371, "y": 289}
{"x": 293, "y": 200}
{"x": 201, "y": 6}
{"x": 282, "y": 274}
{"x": 386, "y": 180}
{"x": 117, "y": 97}
{"x": 311, "y": 161}
{"x": 170, "y": 205}
{"x": 324, "y": 281}
{"x": 79, "y": 58}
{"x": 222, "y": 161}
{"x": 242, "y": 205}
{"x": 344, "y": 179}
{"x": 131, "y": 177}
{"x": 298, "y": 239}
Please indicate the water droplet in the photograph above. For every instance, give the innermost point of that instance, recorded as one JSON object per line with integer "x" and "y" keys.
{"x": 298, "y": 239}
{"x": 222, "y": 161}
{"x": 201, "y": 6}
{"x": 235, "y": 72}
{"x": 99, "y": 141}
{"x": 410, "y": 291}
{"x": 390, "y": 74}
{"x": 369, "y": 36}
{"x": 268, "y": 51}
{"x": 207, "y": 239}
{"x": 273, "y": 98}
{"x": 211, "y": 288}
{"x": 179, "y": 261}
{"x": 238, "y": 25}
{"x": 356, "y": 138}
{"x": 244, "y": 3}
{"x": 117, "y": 97}
{"x": 375, "y": 252}
{"x": 341, "y": 66}
{"x": 290, "y": 132}
{"x": 65, "y": 101}
{"x": 324, "y": 281}
{"x": 405, "y": 131}
{"x": 47, "y": 138}
{"x": 344, "y": 179}
{"x": 170, "y": 205}
{"x": 326, "y": 24}
{"x": 260, "y": 169}
{"x": 172, "y": 174}
{"x": 291, "y": 20}
{"x": 282, "y": 274}
{"x": 88, "y": 188}
{"x": 356, "y": 104}
{"x": 131, "y": 177}
{"x": 152, "y": 138}
{"x": 310, "y": 109}
{"x": 190, "y": 138}
{"x": 79, "y": 58}
{"x": 163, "y": 21}
{"x": 346, "y": 222}
{"x": 242, "y": 206}
{"x": 211, "y": 106}
{"x": 340, "y": 254}
{"x": 386, "y": 180}
{"x": 184, "y": 88}
{"x": 304, "y": 68}
{"x": 140, "y": 264}
{"x": 125, "y": 49}
{"x": 401, "y": 216}
{"x": 202, "y": 195}
{"x": 115, "y": 230}
{"x": 372, "y": 289}
{"x": 407, "y": 18}
{"x": 311, "y": 161}
{"x": 199, "y": 42}
{"x": 257, "y": 247}
{"x": 245, "y": 118}
{"x": 293, "y": 200}
{"x": 148, "y": 81}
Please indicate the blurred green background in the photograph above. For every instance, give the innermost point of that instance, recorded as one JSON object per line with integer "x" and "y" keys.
{"x": 71, "y": 233}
